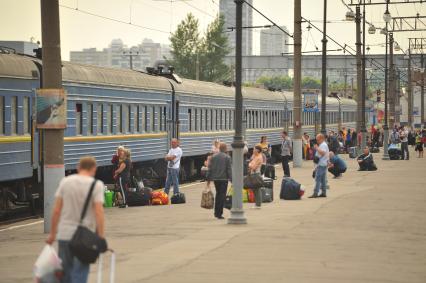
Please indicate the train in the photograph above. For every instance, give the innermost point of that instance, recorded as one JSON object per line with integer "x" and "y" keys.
{"x": 143, "y": 111}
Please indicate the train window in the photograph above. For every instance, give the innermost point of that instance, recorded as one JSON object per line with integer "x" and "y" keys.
{"x": 207, "y": 120}
{"x": 138, "y": 119}
{"x": 13, "y": 115}
{"x": 216, "y": 119}
{"x": 135, "y": 116}
{"x": 201, "y": 119}
{"x": 146, "y": 118}
{"x": 120, "y": 119}
{"x": 78, "y": 119}
{"x": 221, "y": 120}
{"x": 99, "y": 118}
{"x": 189, "y": 120}
{"x": 89, "y": 119}
{"x": 196, "y": 116}
{"x": 129, "y": 119}
{"x": 160, "y": 117}
{"x": 2, "y": 115}
{"x": 110, "y": 118}
{"x": 152, "y": 119}
{"x": 26, "y": 115}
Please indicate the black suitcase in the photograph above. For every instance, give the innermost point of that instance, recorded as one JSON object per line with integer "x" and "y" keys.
{"x": 267, "y": 194}
{"x": 178, "y": 198}
{"x": 138, "y": 197}
{"x": 269, "y": 183}
{"x": 290, "y": 189}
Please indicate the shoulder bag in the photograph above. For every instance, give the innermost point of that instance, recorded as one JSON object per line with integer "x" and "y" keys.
{"x": 85, "y": 244}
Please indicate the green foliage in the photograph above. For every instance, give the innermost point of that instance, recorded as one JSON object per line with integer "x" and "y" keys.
{"x": 311, "y": 83}
{"x": 276, "y": 82}
{"x": 210, "y": 50}
{"x": 185, "y": 43}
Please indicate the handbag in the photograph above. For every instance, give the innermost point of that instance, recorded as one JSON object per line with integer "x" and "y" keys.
{"x": 85, "y": 244}
{"x": 207, "y": 199}
{"x": 253, "y": 181}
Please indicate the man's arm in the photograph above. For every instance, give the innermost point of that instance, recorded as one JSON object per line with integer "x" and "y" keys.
{"x": 55, "y": 220}
{"x": 100, "y": 220}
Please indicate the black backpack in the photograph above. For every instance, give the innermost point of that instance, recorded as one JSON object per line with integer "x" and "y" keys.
{"x": 178, "y": 198}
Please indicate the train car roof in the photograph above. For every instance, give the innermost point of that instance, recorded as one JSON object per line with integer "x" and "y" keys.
{"x": 17, "y": 66}
{"x": 80, "y": 73}
{"x": 215, "y": 89}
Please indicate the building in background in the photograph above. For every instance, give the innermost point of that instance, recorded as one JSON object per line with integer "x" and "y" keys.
{"x": 273, "y": 41}
{"x": 227, "y": 9}
{"x": 117, "y": 55}
{"x": 20, "y": 47}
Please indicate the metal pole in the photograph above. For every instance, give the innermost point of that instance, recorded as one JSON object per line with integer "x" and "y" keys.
{"x": 339, "y": 120}
{"x": 363, "y": 90}
{"x": 324, "y": 73}
{"x": 385, "y": 126}
{"x": 53, "y": 145}
{"x": 391, "y": 84}
{"x": 237, "y": 212}
{"x": 398, "y": 94}
{"x": 131, "y": 60}
{"x": 410, "y": 91}
{"x": 297, "y": 85}
{"x": 358, "y": 72}
{"x": 422, "y": 102}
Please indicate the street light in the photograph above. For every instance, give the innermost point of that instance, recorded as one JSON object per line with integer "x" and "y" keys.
{"x": 397, "y": 47}
{"x": 387, "y": 16}
{"x": 350, "y": 15}
{"x": 384, "y": 31}
{"x": 372, "y": 29}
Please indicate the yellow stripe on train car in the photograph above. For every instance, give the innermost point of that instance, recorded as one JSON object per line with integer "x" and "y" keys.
{"x": 115, "y": 137}
{"x": 15, "y": 139}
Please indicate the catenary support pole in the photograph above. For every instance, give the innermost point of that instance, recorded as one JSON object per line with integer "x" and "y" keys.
{"x": 422, "y": 98}
{"x": 363, "y": 90}
{"x": 391, "y": 84}
{"x": 385, "y": 126}
{"x": 324, "y": 74}
{"x": 297, "y": 85}
{"x": 410, "y": 91}
{"x": 358, "y": 72}
{"x": 237, "y": 212}
{"x": 53, "y": 141}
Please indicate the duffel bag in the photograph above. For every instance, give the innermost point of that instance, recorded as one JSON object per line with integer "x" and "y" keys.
{"x": 250, "y": 195}
{"x": 267, "y": 195}
{"x": 290, "y": 189}
{"x": 178, "y": 198}
{"x": 159, "y": 198}
{"x": 139, "y": 197}
{"x": 253, "y": 181}
{"x": 228, "y": 198}
{"x": 207, "y": 199}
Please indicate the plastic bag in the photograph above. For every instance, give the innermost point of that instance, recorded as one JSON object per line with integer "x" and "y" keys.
{"x": 207, "y": 198}
{"x": 48, "y": 266}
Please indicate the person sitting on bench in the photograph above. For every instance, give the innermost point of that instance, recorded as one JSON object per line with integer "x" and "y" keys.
{"x": 365, "y": 161}
{"x": 336, "y": 165}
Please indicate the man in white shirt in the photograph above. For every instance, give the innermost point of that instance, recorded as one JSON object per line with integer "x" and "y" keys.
{"x": 70, "y": 198}
{"x": 173, "y": 165}
{"x": 322, "y": 153}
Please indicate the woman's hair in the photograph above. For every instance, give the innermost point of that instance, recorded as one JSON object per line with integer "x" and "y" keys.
{"x": 262, "y": 138}
{"x": 259, "y": 148}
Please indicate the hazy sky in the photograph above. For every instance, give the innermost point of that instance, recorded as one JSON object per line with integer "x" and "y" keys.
{"x": 20, "y": 20}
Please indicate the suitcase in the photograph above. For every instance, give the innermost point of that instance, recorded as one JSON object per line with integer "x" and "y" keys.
{"x": 352, "y": 152}
{"x": 111, "y": 270}
{"x": 178, "y": 198}
{"x": 250, "y": 194}
{"x": 139, "y": 197}
{"x": 267, "y": 194}
{"x": 269, "y": 171}
{"x": 290, "y": 189}
{"x": 269, "y": 183}
{"x": 159, "y": 198}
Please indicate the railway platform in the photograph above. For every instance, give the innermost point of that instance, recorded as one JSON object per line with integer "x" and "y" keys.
{"x": 370, "y": 228}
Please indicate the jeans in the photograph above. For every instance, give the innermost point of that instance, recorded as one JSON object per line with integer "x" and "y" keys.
{"x": 172, "y": 179}
{"x": 320, "y": 180}
{"x": 258, "y": 197}
{"x": 336, "y": 171}
{"x": 286, "y": 168}
{"x": 74, "y": 270}
{"x": 404, "y": 149}
{"x": 221, "y": 188}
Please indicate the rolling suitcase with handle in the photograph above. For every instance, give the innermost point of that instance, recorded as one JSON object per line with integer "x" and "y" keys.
{"x": 112, "y": 267}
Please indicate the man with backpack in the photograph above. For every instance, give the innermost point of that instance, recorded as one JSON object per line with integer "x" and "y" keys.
{"x": 70, "y": 198}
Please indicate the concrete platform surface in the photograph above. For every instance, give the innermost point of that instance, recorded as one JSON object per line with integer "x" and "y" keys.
{"x": 370, "y": 228}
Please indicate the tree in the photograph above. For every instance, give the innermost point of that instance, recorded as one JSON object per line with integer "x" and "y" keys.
{"x": 186, "y": 45}
{"x": 214, "y": 48}
{"x": 276, "y": 82}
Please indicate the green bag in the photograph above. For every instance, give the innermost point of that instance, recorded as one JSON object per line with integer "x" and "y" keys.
{"x": 109, "y": 197}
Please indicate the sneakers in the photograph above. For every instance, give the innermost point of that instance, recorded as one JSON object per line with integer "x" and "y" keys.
{"x": 322, "y": 196}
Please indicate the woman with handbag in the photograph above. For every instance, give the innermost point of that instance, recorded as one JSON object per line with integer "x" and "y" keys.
{"x": 254, "y": 173}
{"x": 78, "y": 211}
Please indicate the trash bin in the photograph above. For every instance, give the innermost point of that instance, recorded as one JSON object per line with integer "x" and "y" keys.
{"x": 109, "y": 196}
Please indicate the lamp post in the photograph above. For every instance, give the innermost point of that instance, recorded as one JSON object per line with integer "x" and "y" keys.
{"x": 391, "y": 84}
{"x": 409, "y": 90}
{"x": 363, "y": 90}
{"x": 387, "y": 19}
{"x": 237, "y": 212}
{"x": 324, "y": 73}
{"x": 358, "y": 71}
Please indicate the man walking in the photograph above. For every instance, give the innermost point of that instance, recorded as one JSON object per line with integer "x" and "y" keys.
{"x": 70, "y": 198}
{"x": 286, "y": 149}
{"x": 220, "y": 172}
{"x": 322, "y": 151}
{"x": 404, "y": 144}
{"x": 173, "y": 164}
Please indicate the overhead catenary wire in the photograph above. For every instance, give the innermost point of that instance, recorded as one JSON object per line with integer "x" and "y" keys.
{"x": 112, "y": 19}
